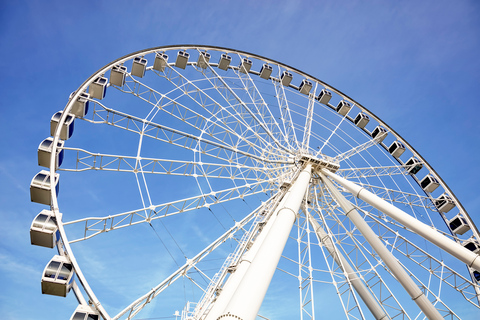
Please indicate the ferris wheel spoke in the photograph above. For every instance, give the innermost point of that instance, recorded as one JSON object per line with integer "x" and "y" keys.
{"x": 245, "y": 112}
{"x": 371, "y": 172}
{"x": 260, "y": 106}
{"x": 232, "y": 113}
{"x": 362, "y": 147}
{"x": 220, "y": 128}
{"x": 285, "y": 116}
{"x": 86, "y": 160}
{"x": 169, "y": 135}
{"x": 141, "y": 302}
{"x": 93, "y": 226}
{"x": 308, "y": 121}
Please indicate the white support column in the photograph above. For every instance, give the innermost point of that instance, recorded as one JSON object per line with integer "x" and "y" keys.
{"x": 387, "y": 257}
{"x": 236, "y": 277}
{"x": 455, "y": 249}
{"x": 248, "y": 297}
{"x": 371, "y": 303}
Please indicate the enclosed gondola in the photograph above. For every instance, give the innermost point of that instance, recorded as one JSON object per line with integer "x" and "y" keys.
{"x": 396, "y": 149}
{"x": 139, "y": 65}
{"x": 361, "y": 120}
{"x": 57, "y": 277}
{"x": 444, "y": 203}
{"x": 45, "y": 150}
{"x": 429, "y": 183}
{"x": 245, "y": 65}
{"x": 286, "y": 78}
{"x": 472, "y": 245}
{"x": 266, "y": 71}
{"x": 413, "y": 165}
{"x": 305, "y": 86}
{"x": 203, "y": 59}
{"x": 44, "y": 230}
{"x": 118, "y": 75}
{"x": 324, "y": 96}
{"x": 98, "y": 88}
{"x": 80, "y": 106}
{"x": 343, "y": 107}
{"x": 224, "y": 62}
{"x": 379, "y": 133}
{"x": 160, "y": 62}
{"x": 40, "y": 187}
{"x": 67, "y": 128}
{"x": 84, "y": 312}
{"x": 182, "y": 59}
{"x": 458, "y": 224}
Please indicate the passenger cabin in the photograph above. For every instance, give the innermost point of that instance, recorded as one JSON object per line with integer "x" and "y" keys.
{"x": 444, "y": 203}
{"x": 396, "y": 149}
{"x": 139, "y": 65}
{"x": 80, "y": 106}
{"x": 429, "y": 183}
{"x": 224, "y": 62}
{"x": 413, "y": 165}
{"x": 182, "y": 59}
{"x": 84, "y": 312}
{"x": 305, "y": 86}
{"x": 98, "y": 88}
{"x": 324, "y": 96}
{"x": 245, "y": 65}
{"x": 472, "y": 245}
{"x": 57, "y": 277}
{"x": 118, "y": 75}
{"x": 286, "y": 78}
{"x": 203, "y": 59}
{"x": 45, "y": 151}
{"x": 458, "y": 224}
{"x": 160, "y": 62}
{"x": 361, "y": 120}
{"x": 343, "y": 107}
{"x": 44, "y": 230}
{"x": 40, "y": 187}
{"x": 67, "y": 129}
{"x": 266, "y": 71}
{"x": 379, "y": 133}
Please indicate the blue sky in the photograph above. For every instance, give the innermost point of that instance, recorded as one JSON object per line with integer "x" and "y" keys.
{"x": 414, "y": 64}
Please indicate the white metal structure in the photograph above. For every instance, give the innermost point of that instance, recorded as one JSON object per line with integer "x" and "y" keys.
{"x": 194, "y": 184}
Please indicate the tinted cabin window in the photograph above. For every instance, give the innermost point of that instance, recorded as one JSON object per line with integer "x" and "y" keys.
{"x": 79, "y": 316}
{"x": 40, "y": 220}
{"x": 51, "y": 224}
{"x": 424, "y": 183}
{"x": 65, "y": 271}
{"x": 92, "y": 317}
{"x": 455, "y": 224}
{"x": 52, "y": 269}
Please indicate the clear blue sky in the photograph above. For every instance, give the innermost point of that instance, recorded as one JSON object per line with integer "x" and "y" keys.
{"x": 413, "y": 63}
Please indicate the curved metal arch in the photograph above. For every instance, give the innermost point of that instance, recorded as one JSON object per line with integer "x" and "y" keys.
{"x": 106, "y": 68}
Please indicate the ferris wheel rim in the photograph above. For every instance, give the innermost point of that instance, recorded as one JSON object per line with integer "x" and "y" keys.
{"x": 130, "y": 56}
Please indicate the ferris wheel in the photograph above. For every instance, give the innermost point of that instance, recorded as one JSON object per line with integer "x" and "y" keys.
{"x": 198, "y": 177}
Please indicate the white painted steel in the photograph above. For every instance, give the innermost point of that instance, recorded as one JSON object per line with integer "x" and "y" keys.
{"x": 241, "y": 268}
{"x": 229, "y": 124}
{"x": 362, "y": 290}
{"x": 248, "y": 297}
{"x": 408, "y": 284}
{"x": 430, "y": 234}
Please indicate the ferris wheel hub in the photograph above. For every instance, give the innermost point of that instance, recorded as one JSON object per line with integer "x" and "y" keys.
{"x": 319, "y": 163}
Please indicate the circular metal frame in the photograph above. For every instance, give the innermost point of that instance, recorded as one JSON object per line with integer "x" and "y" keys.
{"x": 275, "y": 160}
